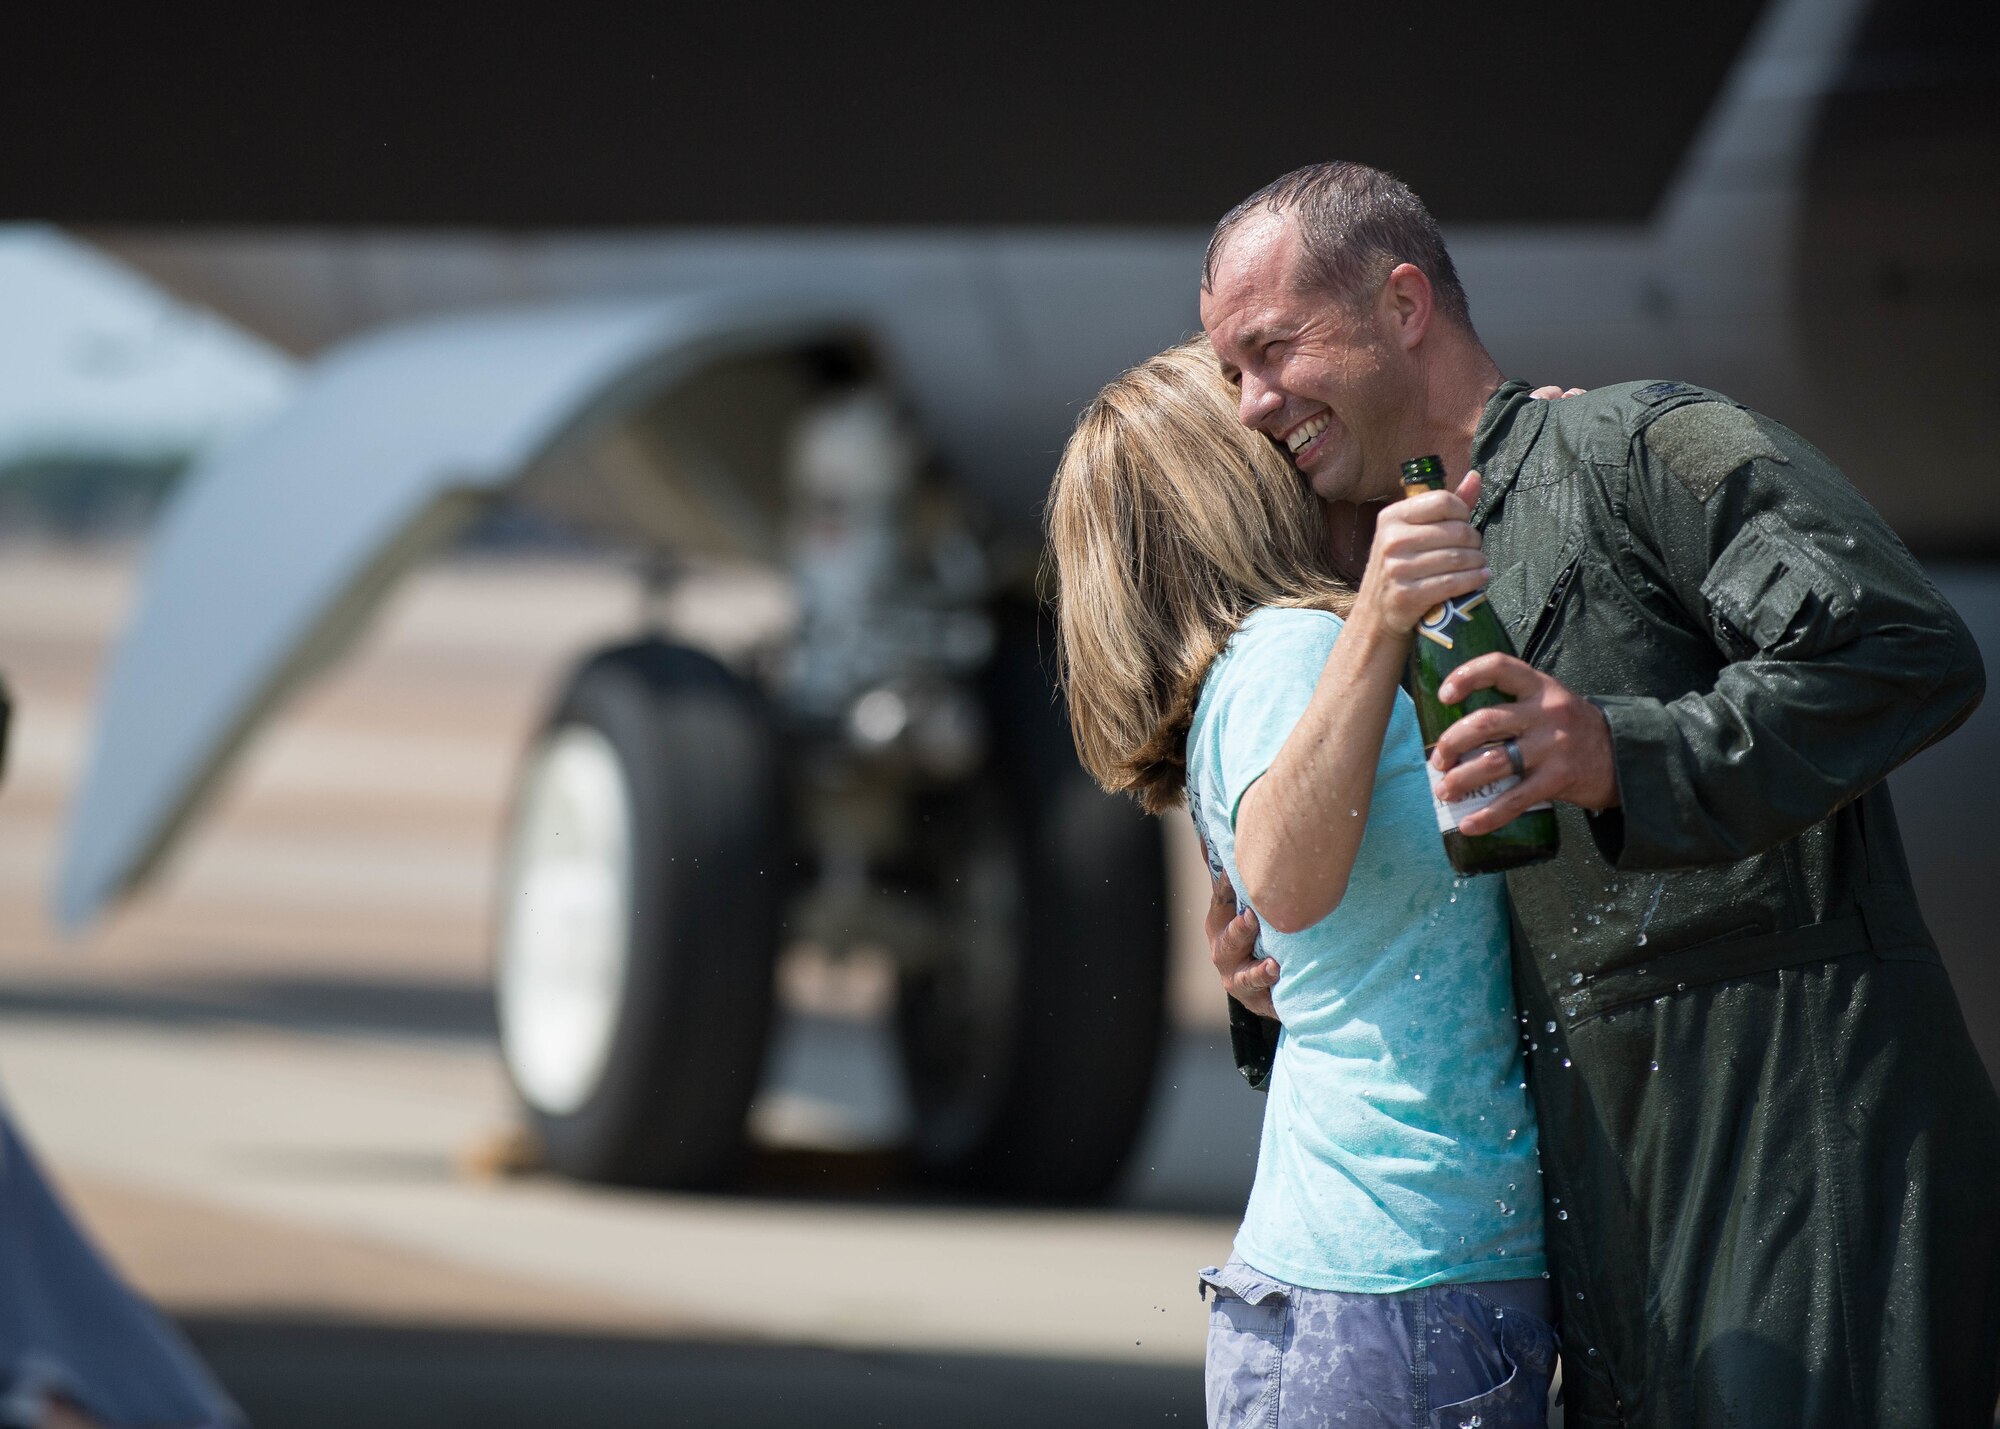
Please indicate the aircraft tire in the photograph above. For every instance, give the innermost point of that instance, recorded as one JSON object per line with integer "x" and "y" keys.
{"x": 1030, "y": 1051}
{"x": 639, "y": 919}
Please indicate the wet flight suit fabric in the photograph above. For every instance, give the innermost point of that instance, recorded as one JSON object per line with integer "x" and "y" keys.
{"x": 1771, "y": 1153}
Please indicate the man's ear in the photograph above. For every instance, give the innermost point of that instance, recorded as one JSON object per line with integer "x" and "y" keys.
{"x": 1406, "y": 299}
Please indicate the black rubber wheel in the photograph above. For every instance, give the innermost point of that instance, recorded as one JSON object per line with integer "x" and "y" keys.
{"x": 1031, "y": 1043}
{"x": 643, "y": 1073}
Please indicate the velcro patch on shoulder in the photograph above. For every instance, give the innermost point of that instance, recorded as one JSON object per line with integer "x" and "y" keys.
{"x": 1703, "y": 442}
{"x": 1657, "y": 392}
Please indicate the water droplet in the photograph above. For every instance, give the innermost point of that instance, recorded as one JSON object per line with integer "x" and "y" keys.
{"x": 1550, "y": 1027}
{"x": 1593, "y": 1348}
{"x": 1562, "y": 1215}
{"x": 1642, "y": 943}
{"x": 1512, "y": 1132}
{"x": 1454, "y": 898}
{"x": 1416, "y": 977}
{"x": 1641, "y": 972}
{"x": 1565, "y": 1061}
{"x": 1579, "y": 1294}
{"x": 1576, "y": 979}
{"x": 1656, "y": 1066}
{"x": 1545, "y": 1275}
{"x": 1353, "y": 813}
{"x": 1680, "y": 987}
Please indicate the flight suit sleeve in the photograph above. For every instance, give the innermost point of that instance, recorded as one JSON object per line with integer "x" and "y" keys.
{"x": 1839, "y": 658}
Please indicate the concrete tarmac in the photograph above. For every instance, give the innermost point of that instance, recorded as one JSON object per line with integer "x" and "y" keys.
{"x": 299, "y": 1199}
{"x": 270, "y": 1089}
{"x": 368, "y": 1138}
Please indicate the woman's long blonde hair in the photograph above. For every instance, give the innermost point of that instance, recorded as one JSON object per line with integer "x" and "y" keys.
{"x": 1169, "y": 522}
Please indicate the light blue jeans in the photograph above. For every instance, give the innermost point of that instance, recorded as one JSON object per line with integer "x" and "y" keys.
{"x": 1476, "y": 1356}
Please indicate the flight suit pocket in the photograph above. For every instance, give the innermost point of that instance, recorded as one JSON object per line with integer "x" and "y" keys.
{"x": 1528, "y": 596}
{"x": 1247, "y": 1317}
{"x": 1770, "y": 591}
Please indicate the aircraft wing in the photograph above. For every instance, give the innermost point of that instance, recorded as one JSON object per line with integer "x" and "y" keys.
{"x": 278, "y": 547}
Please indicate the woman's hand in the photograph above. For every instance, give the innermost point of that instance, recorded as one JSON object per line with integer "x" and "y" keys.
{"x": 1232, "y": 947}
{"x": 1425, "y": 553}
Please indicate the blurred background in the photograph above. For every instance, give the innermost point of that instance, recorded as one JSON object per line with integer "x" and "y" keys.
{"x": 543, "y": 878}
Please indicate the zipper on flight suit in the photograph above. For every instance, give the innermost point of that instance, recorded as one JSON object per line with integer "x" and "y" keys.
{"x": 1546, "y": 620}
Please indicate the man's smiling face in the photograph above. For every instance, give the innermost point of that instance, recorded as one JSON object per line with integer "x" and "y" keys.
{"x": 1317, "y": 374}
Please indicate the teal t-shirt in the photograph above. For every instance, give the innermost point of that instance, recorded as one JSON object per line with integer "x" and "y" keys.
{"x": 1399, "y": 1144}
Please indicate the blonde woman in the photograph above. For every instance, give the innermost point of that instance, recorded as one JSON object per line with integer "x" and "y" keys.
{"x": 1388, "y": 1269}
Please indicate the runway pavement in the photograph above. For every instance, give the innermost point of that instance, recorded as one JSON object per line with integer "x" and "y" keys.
{"x": 270, "y": 1088}
{"x": 367, "y": 1138}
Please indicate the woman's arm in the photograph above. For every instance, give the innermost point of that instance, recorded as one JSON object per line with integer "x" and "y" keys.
{"x": 1299, "y": 825}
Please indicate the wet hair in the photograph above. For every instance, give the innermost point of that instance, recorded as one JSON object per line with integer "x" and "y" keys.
{"x": 1355, "y": 224}
{"x": 1169, "y": 522}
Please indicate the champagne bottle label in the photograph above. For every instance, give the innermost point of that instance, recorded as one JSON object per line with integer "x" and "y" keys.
{"x": 1451, "y": 813}
{"x": 1441, "y": 621}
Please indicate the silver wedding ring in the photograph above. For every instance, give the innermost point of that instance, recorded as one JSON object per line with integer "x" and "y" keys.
{"x": 1514, "y": 757}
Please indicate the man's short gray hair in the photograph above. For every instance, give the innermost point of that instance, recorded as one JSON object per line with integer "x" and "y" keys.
{"x": 1356, "y": 224}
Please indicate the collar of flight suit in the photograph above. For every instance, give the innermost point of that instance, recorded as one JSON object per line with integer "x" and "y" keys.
{"x": 1501, "y": 442}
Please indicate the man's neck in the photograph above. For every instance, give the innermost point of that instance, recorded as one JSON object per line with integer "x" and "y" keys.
{"x": 1454, "y": 377}
{"x": 1457, "y": 378}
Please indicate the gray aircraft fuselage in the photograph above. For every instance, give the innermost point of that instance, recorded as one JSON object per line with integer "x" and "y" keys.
{"x": 1826, "y": 249}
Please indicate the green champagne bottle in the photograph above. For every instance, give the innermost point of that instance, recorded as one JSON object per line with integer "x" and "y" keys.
{"x": 1451, "y": 634}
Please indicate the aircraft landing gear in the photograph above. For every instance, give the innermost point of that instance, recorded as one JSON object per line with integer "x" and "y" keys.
{"x": 641, "y": 898}
{"x": 1030, "y": 1050}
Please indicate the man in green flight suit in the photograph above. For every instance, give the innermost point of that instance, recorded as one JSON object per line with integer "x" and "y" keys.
{"x": 1771, "y": 1153}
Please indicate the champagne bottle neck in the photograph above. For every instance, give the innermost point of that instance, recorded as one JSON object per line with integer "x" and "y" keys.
{"x": 1423, "y": 473}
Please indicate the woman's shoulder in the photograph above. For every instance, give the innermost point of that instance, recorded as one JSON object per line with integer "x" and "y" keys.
{"x": 1275, "y": 647}
{"x": 1273, "y": 632}
{"x": 1253, "y": 695}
